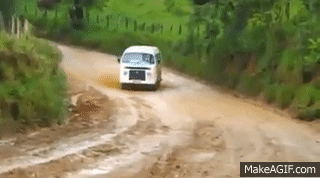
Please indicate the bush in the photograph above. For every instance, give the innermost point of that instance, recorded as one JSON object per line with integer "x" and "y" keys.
{"x": 304, "y": 96}
{"x": 290, "y": 69}
{"x": 286, "y": 94}
{"x": 309, "y": 114}
{"x": 250, "y": 85}
{"x": 192, "y": 65}
{"x": 270, "y": 93}
{"x": 177, "y": 11}
{"x": 233, "y": 81}
{"x": 213, "y": 73}
{"x": 255, "y": 39}
{"x": 32, "y": 79}
{"x": 310, "y": 111}
{"x": 316, "y": 95}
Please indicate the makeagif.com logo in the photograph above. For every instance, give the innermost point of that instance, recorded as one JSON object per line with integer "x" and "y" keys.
{"x": 279, "y": 169}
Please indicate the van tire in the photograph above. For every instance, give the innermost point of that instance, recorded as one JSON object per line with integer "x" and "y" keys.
{"x": 155, "y": 86}
{"x": 158, "y": 84}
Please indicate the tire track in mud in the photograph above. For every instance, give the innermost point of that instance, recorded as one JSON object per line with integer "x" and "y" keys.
{"x": 79, "y": 152}
{"x": 79, "y": 134}
{"x": 256, "y": 141}
{"x": 196, "y": 158}
{"x": 147, "y": 137}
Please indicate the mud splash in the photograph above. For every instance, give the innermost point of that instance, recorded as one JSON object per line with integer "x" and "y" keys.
{"x": 109, "y": 81}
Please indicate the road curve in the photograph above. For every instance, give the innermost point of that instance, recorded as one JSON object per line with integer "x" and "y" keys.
{"x": 250, "y": 132}
{"x": 208, "y": 134}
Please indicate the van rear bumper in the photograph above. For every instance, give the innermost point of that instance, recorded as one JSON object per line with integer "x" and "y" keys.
{"x": 137, "y": 86}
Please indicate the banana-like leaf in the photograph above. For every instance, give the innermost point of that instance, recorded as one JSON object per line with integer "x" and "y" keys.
{"x": 295, "y": 8}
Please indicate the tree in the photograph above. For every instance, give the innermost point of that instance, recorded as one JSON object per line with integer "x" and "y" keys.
{"x": 169, "y": 4}
{"x": 2, "y": 26}
{"x": 76, "y": 12}
{"x": 47, "y": 5}
{"x": 93, "y": 4}
{"x": 202, "y": 2}
{"x": 7, "y": 7}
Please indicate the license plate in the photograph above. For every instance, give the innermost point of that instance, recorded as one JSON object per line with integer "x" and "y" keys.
{"x": 136, "y": 75}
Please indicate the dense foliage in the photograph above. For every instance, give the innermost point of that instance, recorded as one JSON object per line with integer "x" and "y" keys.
{"x": 7, "y": 9}
{"x": 263, "y": 47}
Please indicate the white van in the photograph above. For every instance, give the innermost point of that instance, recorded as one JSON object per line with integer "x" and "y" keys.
{"x": 140, "y": 65}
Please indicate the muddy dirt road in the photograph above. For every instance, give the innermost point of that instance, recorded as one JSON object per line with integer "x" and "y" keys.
{"x": 185, "y": 129}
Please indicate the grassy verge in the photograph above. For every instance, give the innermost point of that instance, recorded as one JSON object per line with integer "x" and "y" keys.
{"x": 32, "y": 86}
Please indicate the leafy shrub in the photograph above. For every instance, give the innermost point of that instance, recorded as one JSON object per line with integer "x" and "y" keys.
{"x": 314, "y": 56}
{"x": 270, "y": 93}
{"x": 304, "y": 96}
{"x": 193, "y": 66}
{"x": 250, "y": 85}
{"x": 290, "y": 69}
{"x": 32, "y": 79}
{"x": 233, "y": 81}
{"x": 177, "y": 11}
{"x": 254, "y": 39}
{"x": 286, "y": 94}
{"x": 222, "y": 48}
{"x": 214, "y": 72}
{"x": 309, "y": 114}
{"x": 316, "y": 95}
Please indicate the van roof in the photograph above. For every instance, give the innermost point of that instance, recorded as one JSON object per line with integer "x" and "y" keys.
{"x": 142, "y": 49}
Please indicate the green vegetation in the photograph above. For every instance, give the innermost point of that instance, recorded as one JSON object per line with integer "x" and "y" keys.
{"x": 168, "y": 12}
{"x": 32, "y": 86}
{"x": 7, "y": 9}
{"x": 114, "y": 15}
{"x": 258, "y": 47}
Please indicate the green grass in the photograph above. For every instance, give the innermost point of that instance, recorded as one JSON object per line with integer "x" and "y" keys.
{"x": 31, "y": 80}
{"x": 233, "y": 81}
{"x": 148, "y": 12}
{"x": 304, "y": 96}
{"x": 151, "y": 11}
{"x": 285, "y": 95}
{"x": 270, "y": 93}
